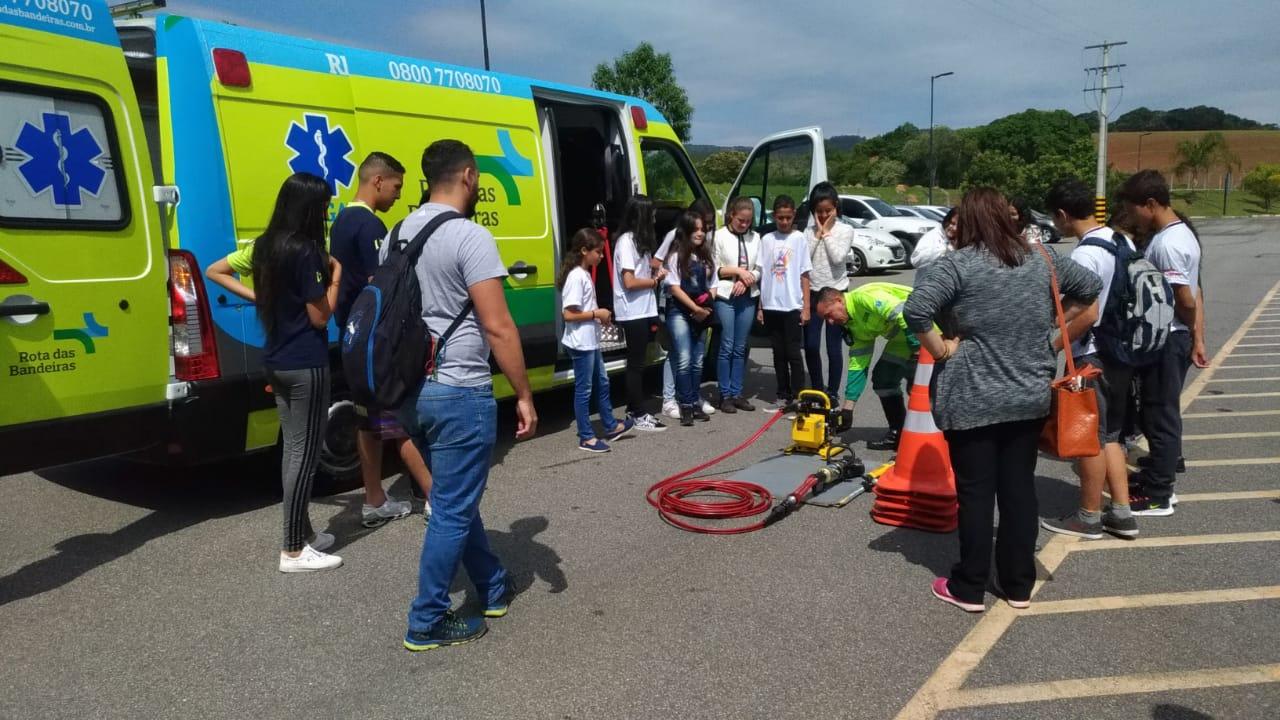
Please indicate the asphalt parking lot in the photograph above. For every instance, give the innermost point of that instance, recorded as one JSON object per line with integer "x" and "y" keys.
{"x": 129, "y": 591}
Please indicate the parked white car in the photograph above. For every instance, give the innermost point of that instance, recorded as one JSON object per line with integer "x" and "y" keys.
{"x": 874, "y": 251}
{"x": 876, "y": 214}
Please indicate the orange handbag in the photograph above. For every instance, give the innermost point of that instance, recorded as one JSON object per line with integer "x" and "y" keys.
{"x": 1071, "y": 430}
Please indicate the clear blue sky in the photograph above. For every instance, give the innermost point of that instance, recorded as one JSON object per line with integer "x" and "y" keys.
{"x": 753, "y": 67}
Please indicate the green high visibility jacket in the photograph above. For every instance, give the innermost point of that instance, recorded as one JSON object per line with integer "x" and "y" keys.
{"x": 875, "y": 311}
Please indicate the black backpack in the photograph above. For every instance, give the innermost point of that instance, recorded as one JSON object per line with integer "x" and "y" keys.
{"x": 386, "y": 347}
{"x": 1135, "y": 322}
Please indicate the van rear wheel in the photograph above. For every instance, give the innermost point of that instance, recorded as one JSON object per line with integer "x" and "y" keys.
{"x": 339, "y": 468}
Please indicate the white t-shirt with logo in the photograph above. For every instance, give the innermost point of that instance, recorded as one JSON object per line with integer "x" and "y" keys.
{"x": 579, "y": 292}
{"x": 1175, "y": 252}
{"x": 1100, "y": 263}
{"x": 783, "y": 259}
{"x": 632, "y": 304}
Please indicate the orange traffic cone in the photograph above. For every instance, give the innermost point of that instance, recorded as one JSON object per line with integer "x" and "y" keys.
{"x": 919, "y": 491}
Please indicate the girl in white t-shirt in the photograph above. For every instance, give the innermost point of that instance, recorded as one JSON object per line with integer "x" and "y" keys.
{"x": 582, "y": 339}
{"x": 635, "y": 302}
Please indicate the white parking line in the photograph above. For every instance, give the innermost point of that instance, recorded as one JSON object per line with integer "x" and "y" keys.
{"x": 1261, "y": 379}
{"x": 1228, "y": 396}
{"x": 1237, "y": 413}
{"x": 1248, "y": 367}
{"x": 1231, "y": 436}
{"x": 1258, "y": 345}
{"x": 1228, "y": 496}
{"x": 1236, "y": 461}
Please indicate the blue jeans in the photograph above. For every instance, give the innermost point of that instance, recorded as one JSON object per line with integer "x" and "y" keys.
{"x": 735, "y": 314}
{"x": 668, "y": 378}
{"x": 589, "y": 372}
{"x": 689, "y": 345}
{"x": 454, "y": 429}
{"x": 813, "y": 333}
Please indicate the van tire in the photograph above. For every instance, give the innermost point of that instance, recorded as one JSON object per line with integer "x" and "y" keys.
{"x": 339, "y": 468}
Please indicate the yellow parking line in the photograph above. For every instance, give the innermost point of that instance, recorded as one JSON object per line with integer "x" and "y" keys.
{"x": 1236, "y": 413}
{"x": 1231, "y": 436}
{"x": 1258, "y": 345}
{"x": 1265, "y": 355}
{"x": 1261, "y": 379}
{"x": 1137, "y": 683}
{"x": 1235, "y": 461}
{"x": 1235, "y": 495}
{"x": 1235, "y": 395}
{"x": 1128, "y": 602}
{"x": 1248, "y": 367}
{"x": 1176, "y": 541}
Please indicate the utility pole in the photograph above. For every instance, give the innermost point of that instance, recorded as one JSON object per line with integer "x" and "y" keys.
{"x": 1100, "y": 189}
{"x": 484, "y": 34}
{"x": 933, "y": 164}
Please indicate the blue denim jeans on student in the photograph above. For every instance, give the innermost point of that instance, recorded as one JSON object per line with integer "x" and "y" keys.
{"x": 688, "y": 346}
{"x": 735, "y": 314}
{"x": 454, "y": 429}
{"x": 589, "y": 374}
{"x": 813, "y": 333}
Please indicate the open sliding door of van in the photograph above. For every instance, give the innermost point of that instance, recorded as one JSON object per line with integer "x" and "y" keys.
{"x": 84, "y": 312}
{"x": 786, "y": 163}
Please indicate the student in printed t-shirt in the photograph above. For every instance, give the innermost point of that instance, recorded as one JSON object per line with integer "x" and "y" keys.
{"x": 736, "y": 249}
{"x": 635, "y": 301}
{"x": 1071, "y": 203}
{"x": 670, "y": 407}
{"x": 784, "y": 297}
{"x": 355, "y": 239}
{"x": 1174, "y": 251}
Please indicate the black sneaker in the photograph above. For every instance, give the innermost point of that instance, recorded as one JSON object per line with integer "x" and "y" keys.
{"x": 888, "y": 442}
{"x": 451, "y": 630}
{"x": 1126, "y": 528}
{"x": 699, "y": 414}
{"x": 1150, "y": 507}
{"x": 686, "y": 415}
{"x": 1144, "y": 462}
{"x": 1074, "y": 526}
{"x": 727, "y": 406}
{"x": 743, "y": 404}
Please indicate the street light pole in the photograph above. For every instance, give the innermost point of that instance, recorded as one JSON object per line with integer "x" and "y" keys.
{"x": 484, "y": 34}
{"x": 933, "y": 164}
{"x": 1140, "y": 150}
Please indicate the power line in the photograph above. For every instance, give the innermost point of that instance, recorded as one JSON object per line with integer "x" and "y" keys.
{"x": 1077, "y": 26}
{"x": 1005, "y": 17}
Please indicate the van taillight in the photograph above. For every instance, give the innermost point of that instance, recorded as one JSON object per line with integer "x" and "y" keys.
{"x": 638, "y": 118}
{"x": 9, "y": 276}
{"x": 195, "y": 354}
{"x": 232, "y": 67}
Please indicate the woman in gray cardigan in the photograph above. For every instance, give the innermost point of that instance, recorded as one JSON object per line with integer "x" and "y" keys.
{"x": 992, "y": 298}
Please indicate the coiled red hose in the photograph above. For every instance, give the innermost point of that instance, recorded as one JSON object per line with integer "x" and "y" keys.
{"x": 676, "y": 498}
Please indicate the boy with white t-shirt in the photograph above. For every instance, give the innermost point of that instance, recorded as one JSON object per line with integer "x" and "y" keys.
{"x": 784, "y": 297}
{"x": 1071, "y": 203}
{"x": 1175, "y": 251}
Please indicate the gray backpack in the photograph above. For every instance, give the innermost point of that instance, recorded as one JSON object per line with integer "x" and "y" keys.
{"x": 1136, "y": 321}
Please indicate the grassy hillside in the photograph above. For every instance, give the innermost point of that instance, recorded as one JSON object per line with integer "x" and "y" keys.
{"x": 1158, "y": 152}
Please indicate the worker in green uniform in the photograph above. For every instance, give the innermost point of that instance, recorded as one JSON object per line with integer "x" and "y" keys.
{"x": 866, "y": 313}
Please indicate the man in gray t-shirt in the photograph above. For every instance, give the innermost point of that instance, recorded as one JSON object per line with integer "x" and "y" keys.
{"x": 453, "y": 419}
{"x": 459, "y": 254}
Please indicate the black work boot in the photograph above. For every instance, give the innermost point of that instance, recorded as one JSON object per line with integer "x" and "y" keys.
{"x": 888, "y": 442}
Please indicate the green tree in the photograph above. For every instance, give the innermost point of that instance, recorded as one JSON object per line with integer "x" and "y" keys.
{"x": 722, "y": 166}
{"x": 848, "y": 168}
{"x": 995, "y": 169}
{"x": 1197, "y": 157}
{"x": 1031, "y": 133}
{"x": 954, "y": 150}
{"x": 648, "y": 74}
{"x": 886, "y": 172}
{"x": 1264, "y": 182}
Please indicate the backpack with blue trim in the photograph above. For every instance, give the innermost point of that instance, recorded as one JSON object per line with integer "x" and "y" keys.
{"x": 386, "y": 347}
{"x": 1135, "y": 324}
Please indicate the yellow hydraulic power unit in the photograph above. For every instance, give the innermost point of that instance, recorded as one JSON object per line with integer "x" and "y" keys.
{"x": 816, "y": 423}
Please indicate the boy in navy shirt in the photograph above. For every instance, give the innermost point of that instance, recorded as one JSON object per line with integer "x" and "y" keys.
{"x": 354, "y": 239}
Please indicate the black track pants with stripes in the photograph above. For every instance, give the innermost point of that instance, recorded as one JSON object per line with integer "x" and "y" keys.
{"x": 302, "y": 397}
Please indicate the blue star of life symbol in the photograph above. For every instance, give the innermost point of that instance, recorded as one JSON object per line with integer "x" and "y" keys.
{"x": 321, "y": 151}
{"x": 60, "y": 160}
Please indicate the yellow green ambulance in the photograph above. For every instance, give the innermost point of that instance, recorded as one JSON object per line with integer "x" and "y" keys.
{"x": 138, "y": 152}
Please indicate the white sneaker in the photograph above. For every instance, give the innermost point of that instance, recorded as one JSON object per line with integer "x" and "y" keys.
{"x": 649, "y": 423}
{"x": 671, "y": 409}
{"x": 322, "y": 541}
{"x": 391, "y": 509}
{"x": 310, "y": 560}
{"x": 708, "y": 408}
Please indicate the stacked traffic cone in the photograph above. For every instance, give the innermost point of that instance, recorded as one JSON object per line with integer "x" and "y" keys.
{"x": 919, "y": 491}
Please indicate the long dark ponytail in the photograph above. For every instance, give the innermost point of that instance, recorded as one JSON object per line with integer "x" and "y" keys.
{"x": 296, "y": 229}
{"x": 637, "y": 219}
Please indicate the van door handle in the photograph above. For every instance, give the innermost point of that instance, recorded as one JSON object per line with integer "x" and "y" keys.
{"x": 28, "y": 308}
{"x": 521, "y": 271}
